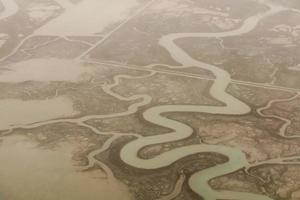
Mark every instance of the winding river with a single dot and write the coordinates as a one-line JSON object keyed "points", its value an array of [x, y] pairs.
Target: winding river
{"points": [[232, 106], [287, 122], [199, 181]]}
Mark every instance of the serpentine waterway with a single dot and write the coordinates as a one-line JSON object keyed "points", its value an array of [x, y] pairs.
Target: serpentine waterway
{"points": [[232, 106]]}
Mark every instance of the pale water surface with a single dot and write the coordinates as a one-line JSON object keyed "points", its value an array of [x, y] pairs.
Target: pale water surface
{"points": [[17, 111], [88, 17], [29, 172], [10, 8], [44, 70]]}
